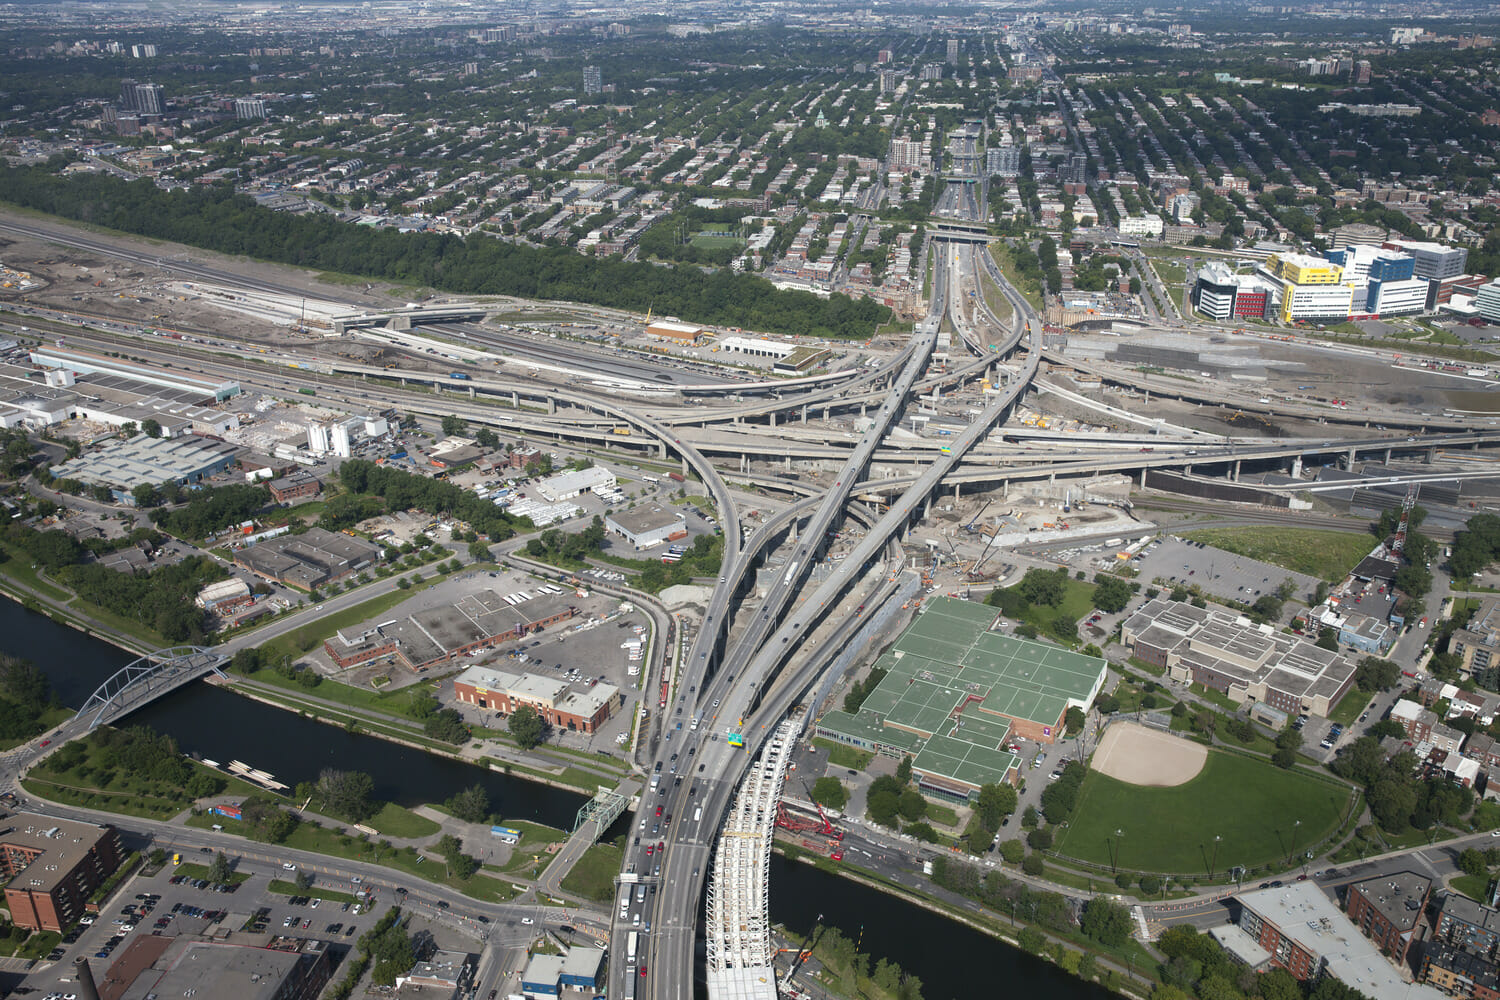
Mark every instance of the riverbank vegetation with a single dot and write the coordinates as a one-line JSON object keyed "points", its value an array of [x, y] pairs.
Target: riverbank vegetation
{"points": [[27, 705], [134, 771]]}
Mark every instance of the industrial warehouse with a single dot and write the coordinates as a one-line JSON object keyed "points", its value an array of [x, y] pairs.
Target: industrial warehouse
{"points": [[433, 636], [146, 461], [312, 559], [955, 693]]}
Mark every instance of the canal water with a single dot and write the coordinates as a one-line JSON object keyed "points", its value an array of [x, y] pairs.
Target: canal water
{"points": [[218, 724], [952, 961], [215, 723]]}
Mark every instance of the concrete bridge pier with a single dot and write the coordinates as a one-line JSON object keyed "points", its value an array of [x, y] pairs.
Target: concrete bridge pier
{"points": [[515, 399], [772, 415], [551, 406], [825, 414], [1432, 455], [1235, 476], [472, 392], [1296, 470], [1388, 456], [1350, 458], [661, 449], [861, 411], [744, 462], [958, 491], [789, 463], [804, 413]]}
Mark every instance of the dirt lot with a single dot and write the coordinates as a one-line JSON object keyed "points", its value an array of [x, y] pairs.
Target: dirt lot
{"points": [[1142, 756]]}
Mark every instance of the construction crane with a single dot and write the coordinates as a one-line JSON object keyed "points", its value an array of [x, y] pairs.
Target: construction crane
{"points": [[975, 520]]}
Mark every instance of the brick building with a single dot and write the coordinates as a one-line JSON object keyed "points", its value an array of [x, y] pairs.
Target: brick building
{"points": [[54, 866], [582, 710], [1468, 925], [1387, 909], [294, 487], [1459, 973]]}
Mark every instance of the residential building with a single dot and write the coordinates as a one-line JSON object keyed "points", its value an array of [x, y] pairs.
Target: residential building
{"points": [[581, 710], [888, 81], [1300, 929], [249, 107], [1387, 909], [907, 154], [1416, 721], [1468, 925], [149, 98], [1221, 649], [1003, 160], [1142, 225], [952, 52], [1459, 973], [54, 866], [593, 80]]}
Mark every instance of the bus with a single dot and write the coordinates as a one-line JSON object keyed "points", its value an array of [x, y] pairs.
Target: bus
{"points": [[735, 740]]}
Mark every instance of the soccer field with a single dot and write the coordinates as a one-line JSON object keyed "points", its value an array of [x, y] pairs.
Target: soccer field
{"points": [[1252, 806]]}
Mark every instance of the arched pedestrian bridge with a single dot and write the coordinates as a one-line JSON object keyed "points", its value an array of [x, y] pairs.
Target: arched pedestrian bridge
{"points": [[147, 679]]}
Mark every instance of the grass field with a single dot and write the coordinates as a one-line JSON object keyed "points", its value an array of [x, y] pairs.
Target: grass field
{"points": [[1253, 806], [1327, 555], [716, 241], [840, 755], [292, 889], [398, 821], [593, 877], [1349, 706], [1476, 887]]}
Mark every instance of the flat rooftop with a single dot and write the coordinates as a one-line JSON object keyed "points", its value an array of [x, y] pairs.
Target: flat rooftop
{"points": [[953, 687], [1304, 914], [62, 843]]}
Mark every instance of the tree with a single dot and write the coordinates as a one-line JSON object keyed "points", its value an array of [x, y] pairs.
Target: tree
{"points": [[1111, 593], [129, 429], [1034, 866], [1150, 885], [150, 427], [1105, 921], [1013, 851], [1284, 758], [911, 805], [1039, 839], [472, 805], [480, 552], [903, 770], [145, 496], [527, 727], [459, 863], [1074, 720], [304, 879], [446, 724], [1472, 862], [1329, 639], [830, 792], [347, 794], [220, 871], [996, 801], [453, 426], [1376, 674]]}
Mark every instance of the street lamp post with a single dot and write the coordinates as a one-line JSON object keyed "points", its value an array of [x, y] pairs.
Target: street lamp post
{"points": [[1295, 825], [1213, 863]]}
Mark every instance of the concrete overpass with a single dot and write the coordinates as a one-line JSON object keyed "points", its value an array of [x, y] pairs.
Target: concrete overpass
{"points": [[404, 318]]}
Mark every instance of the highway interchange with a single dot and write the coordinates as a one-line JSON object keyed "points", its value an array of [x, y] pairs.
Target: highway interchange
{"points": [[755, 658]]}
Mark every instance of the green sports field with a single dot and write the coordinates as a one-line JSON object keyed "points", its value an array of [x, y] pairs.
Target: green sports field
{"points": [[1251, 805]]}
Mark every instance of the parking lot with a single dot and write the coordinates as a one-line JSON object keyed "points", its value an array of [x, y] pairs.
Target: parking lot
{"points": [[169, 904], [1216, 572]]}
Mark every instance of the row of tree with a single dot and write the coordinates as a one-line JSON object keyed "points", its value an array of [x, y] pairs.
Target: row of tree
{"points": [[216, 218], [403, 491]]}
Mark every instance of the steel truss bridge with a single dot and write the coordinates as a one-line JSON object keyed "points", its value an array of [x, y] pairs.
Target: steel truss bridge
{"points": [[147, 679]]}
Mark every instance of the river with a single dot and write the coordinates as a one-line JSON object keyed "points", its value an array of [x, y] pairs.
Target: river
{"points": [[950, 959]]}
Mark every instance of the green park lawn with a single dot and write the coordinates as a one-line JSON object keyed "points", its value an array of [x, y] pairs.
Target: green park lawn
{"points": [[1253, 806], [1326, 555], [593, 877]]}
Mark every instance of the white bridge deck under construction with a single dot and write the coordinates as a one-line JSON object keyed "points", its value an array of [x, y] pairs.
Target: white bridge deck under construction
{"points": [[738, 929]]}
